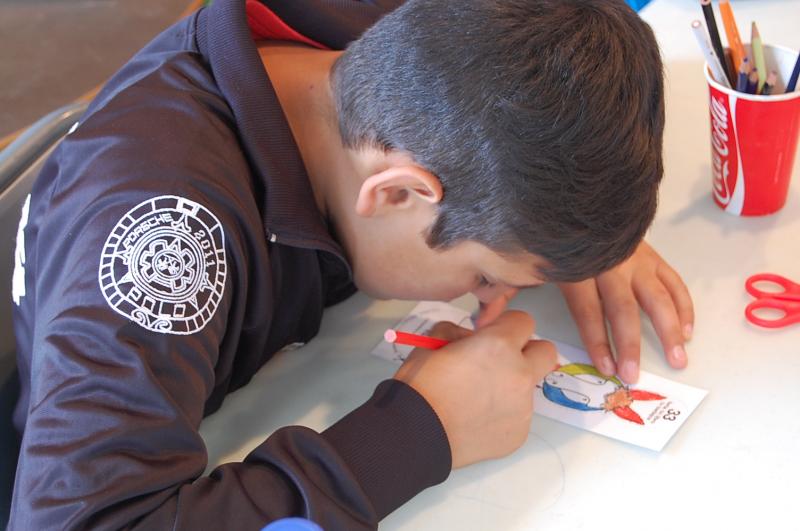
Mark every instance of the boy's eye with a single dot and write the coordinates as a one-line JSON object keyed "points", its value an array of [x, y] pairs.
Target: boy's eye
{"points": [[484, 282]]}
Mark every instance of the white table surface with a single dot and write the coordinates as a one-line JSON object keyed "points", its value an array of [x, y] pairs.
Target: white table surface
{"points": [[733, 465]]}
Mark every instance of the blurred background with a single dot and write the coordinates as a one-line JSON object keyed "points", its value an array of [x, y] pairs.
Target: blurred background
{"points": [[53, 52]]}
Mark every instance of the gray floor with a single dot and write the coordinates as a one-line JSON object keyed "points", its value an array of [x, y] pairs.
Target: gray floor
{"points": [[54, 51]]}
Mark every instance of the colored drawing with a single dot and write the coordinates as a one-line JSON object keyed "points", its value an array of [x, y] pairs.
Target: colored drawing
{"points": [[582, 387], [576, 393]]}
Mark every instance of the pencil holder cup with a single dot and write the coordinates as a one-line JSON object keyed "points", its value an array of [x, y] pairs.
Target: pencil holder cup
{"points": [[754, 140]]}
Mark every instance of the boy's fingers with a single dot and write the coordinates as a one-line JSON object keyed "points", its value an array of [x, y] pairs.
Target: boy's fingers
{"points": [[659, 305], [449, 331], [513, 326], [622, 311], [542, 358], [586, 308], [490, 311], [680, 296]]}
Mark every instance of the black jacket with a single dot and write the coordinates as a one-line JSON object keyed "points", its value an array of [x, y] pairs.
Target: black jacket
{"points": [[171, 246]]}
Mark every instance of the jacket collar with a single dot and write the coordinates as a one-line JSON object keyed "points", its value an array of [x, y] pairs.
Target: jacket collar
{"points": [[286, 198]]}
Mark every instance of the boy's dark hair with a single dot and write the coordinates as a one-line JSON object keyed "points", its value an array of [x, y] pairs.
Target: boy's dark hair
{"points": [[543, 119]]}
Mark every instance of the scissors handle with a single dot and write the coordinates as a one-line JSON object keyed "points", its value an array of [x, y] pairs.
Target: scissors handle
{"points": [[790, 291], [791, 311]]}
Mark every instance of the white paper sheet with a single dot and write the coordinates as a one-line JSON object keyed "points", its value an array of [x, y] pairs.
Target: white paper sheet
{"points": [[647, 414]]}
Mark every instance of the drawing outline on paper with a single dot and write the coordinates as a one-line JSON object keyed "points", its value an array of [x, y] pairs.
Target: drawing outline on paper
{"points": [[660, 404], [420, 322], [581, 386]]}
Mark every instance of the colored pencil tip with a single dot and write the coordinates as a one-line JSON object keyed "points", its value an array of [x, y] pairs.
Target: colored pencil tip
{"points": [[772, 77], [745, 67], [390, 336]]}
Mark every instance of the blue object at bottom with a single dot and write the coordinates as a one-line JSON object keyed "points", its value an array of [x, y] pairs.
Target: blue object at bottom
{"points": [[292, 524]]}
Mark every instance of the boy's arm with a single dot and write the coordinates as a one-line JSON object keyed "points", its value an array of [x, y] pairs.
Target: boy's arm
{"points": [[644, 280], [111, 428], [111, 438]]}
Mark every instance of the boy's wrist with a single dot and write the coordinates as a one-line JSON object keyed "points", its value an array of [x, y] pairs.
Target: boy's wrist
{"points": [[394, 444]]}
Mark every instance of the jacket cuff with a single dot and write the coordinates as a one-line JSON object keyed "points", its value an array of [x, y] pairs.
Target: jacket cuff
{"points": [[394, 444]]}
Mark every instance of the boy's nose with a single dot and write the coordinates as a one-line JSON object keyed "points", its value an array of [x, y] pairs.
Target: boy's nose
{"points": [[495, 302], [487, 294]]}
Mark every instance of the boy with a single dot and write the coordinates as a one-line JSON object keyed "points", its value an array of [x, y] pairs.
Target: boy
{"points": [[216, 196]]}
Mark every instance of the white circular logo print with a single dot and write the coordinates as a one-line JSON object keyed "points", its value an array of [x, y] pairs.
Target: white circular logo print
{"points": [[163, 265]]}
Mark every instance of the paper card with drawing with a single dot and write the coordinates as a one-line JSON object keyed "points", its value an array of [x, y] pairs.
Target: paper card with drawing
{"points": [[647, 414]]}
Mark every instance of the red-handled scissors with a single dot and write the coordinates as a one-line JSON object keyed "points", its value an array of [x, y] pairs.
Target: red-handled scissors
{"points": [[786, 300]]}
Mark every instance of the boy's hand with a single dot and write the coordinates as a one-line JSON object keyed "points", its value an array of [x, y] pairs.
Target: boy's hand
{"points": [[643, 280], [481, 385], [490, 311]]}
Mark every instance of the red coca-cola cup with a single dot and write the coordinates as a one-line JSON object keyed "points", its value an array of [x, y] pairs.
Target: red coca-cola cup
{"points": [[754, 141]]}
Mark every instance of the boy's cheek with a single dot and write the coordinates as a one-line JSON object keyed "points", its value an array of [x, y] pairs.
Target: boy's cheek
{"points": [[419, 287]]}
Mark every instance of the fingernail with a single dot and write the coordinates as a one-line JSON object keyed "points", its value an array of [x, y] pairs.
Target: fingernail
{"points": [[687, 331], [607, 366], [629, 371], [679, 356]]}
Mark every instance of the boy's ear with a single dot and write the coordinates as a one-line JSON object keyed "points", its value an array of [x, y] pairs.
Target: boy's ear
{"points": [[397, 187]]}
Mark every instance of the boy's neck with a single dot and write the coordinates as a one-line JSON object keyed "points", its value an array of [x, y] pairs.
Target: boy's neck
{"points": [[300, 76]]}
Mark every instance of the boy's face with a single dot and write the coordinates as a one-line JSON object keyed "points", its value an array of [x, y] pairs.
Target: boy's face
{"points": [[411, 270], [385, 239]]}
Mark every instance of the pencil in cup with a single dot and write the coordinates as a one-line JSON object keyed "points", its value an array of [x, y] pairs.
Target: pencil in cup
{"points": [[744, 75], [713, 34], [752, 82], [414, 340], [792, 84], [758, 58], [713, 60], [783, 61], [738, 53], [772, 77], [754, 139]]}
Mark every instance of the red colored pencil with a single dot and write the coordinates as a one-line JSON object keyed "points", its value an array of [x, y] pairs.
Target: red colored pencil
{"points": [[414, 340]]}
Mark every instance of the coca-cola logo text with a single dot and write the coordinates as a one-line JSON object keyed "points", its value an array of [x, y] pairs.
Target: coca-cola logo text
{"points": [[720, 151]]}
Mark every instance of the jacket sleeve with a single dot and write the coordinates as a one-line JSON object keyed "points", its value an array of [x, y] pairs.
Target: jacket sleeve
{"points": [[133, 289]]}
